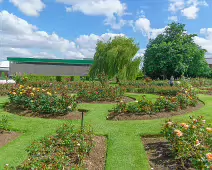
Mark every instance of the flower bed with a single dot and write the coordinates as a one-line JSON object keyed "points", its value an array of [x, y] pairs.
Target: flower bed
{"points": [[181, 101], [65, 150], [152, 89], [4, 89], [191, 142], [40, 100], [100, 94]]}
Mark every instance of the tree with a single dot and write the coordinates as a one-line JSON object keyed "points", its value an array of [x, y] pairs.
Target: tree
{"points": [[174, 52], [115, 58]]}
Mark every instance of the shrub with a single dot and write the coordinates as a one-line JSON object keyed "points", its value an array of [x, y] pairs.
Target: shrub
{"points": [[182, 100], [41, 100], [4, 89], [58, 78], [4, 124], [99, 93], [65, 150], [190, 141]]}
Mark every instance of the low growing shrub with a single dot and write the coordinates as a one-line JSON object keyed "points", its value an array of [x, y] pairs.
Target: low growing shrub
{"points": [[41, 100], [4, 124], [65, 150], [182, 100], [190, 141], [99, 93]]}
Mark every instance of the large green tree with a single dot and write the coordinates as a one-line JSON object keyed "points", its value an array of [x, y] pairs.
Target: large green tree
{"points": [[174, 52], [115, 58]]}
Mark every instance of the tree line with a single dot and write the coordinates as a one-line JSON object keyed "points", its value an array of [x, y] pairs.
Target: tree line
{"points": [[171, 53]]}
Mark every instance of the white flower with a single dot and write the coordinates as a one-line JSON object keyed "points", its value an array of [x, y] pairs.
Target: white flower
{"points": [[69, 107], [78, 144], [136, 101], [7, 165]]}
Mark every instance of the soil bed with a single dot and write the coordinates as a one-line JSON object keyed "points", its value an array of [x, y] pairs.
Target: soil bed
{"points": [[124, 99], [139, 116], [75, 115], [160, 156], [7, 137], [97, 157]]}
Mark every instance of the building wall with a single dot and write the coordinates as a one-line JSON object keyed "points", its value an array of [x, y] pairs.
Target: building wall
{"points": [[49, 70]]}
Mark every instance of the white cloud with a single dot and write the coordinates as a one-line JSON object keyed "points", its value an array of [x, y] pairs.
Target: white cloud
{"points": [[176, 5], [96, 7], [190, 12], [187, 8], [111, 9], [206, 40], [29, 7], [144, 25], [173, 18], [21, 39], [68, 9]]}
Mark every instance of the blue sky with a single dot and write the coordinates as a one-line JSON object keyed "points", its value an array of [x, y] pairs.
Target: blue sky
{"points": [[70, 28]]}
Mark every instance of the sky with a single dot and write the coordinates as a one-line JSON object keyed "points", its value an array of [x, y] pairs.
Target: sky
{"points": [[70, 29]]}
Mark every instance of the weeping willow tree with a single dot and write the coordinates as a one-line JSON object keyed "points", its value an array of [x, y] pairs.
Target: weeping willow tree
{"points": [[115, 58]]}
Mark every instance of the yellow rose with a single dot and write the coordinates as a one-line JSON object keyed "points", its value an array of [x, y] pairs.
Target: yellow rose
{"points": [[49, 93], [32, 94], [21, 93]]}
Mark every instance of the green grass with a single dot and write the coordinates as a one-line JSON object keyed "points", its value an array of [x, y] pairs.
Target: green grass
{"points": [[125, 150]]}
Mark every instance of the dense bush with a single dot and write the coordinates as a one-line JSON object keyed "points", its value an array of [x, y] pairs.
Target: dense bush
{"points": [[191, 142], [163, 90], [182, 100], [65, 150], [41, 100], [4, 124], [99, 93], [4, 89]]}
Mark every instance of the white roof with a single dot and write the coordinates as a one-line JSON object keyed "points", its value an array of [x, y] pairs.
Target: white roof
{"points": [[4, 64]]}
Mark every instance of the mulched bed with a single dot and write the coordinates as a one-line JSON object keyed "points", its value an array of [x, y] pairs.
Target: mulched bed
{"points": [[6, 137], [124, 99], [76, 115], [160, 156], [134, 116], [97, 157]]}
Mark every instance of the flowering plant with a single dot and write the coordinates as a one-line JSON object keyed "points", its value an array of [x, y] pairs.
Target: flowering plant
{"points": [[41, 100], [182, 100], [191, 141], [65, 150]]}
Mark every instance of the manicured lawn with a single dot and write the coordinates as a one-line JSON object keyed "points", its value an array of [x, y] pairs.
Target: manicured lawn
{"points": [[125, 150]]}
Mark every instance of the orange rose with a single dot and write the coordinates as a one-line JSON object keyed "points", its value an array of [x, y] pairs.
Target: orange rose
{"points": [[209, 130], [209, 157], [178, 133]]}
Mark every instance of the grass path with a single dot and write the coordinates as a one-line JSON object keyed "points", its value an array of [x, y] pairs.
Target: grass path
{"points": [[124, 148]]}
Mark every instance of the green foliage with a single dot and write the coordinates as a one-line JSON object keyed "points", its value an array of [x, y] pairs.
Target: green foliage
{"points": [[99, 93], [174, 53], [4, 124], [190, 142], [140, 75], [4, 89], [41, 101], [182, 100], [58, 78], [114, 58], [3, 75], [65, 150]]}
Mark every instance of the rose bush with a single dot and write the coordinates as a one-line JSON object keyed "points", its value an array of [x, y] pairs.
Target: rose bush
{"points": [[185, 98], [65, 150], [99, 93], [191, 141], [41, 100]]}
